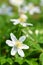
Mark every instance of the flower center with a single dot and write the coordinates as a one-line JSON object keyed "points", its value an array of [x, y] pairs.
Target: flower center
{"points": [[31, 7], [22, 19], [18, 44]]}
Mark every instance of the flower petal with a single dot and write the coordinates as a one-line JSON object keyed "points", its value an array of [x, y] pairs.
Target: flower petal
{"points": [[37, 10], [15, 21], [22, 38], [29, 24], [23, 24], [26, 24], [31, 12], [9, 43], [13, 51], [13, 37], [24, 46], [20, 52]]}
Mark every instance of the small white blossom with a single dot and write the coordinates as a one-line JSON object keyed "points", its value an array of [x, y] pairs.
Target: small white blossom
{"points": [[16, 2], [6, 10], [36, 32], [30, 31], [41, 2], [17, 45], [21, 20], [31, 9]]}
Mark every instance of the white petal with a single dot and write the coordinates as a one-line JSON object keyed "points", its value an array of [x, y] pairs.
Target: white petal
{"points": [[25, 8], [37, 9], [16, 2], [20, 52], [30, 4], [36, 32], [26, 24], [13, 37], [31, 12], [41, 2], [29, 24], [23, 24], [9, 43], [13, 51], [15, 21], [24, 46], [22, 38]]}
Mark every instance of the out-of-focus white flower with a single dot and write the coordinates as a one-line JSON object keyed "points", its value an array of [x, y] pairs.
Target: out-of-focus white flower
{"points": [[30, 31], [31, 9], [16, 2], [41, 2], [21, 20], [17, 45], [36, 32], [6, 10]]}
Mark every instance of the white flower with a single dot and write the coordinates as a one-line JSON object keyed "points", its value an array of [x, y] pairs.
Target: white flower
{"points": [[36, 32], [16, 2], [41, 2], [6, 10], [21, 20], [31, 9], [30, 31], [17, 45]]}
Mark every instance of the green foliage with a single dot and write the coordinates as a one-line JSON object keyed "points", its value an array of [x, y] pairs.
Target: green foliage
{"points": [[32, 62], [6, 60], [41, 58]]}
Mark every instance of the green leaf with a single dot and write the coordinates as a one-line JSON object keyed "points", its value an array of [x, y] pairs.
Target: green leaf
{"points": [[41, 58], [2, 60], [19, 59], [32, 62], [9, 60]]}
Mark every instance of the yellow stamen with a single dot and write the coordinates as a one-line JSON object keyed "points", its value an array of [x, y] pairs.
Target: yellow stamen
{"points": [[31, 7], [22, 19], [18, 44]]}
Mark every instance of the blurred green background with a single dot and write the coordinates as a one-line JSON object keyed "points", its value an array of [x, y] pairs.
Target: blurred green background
{"points": [[33, 56]]}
